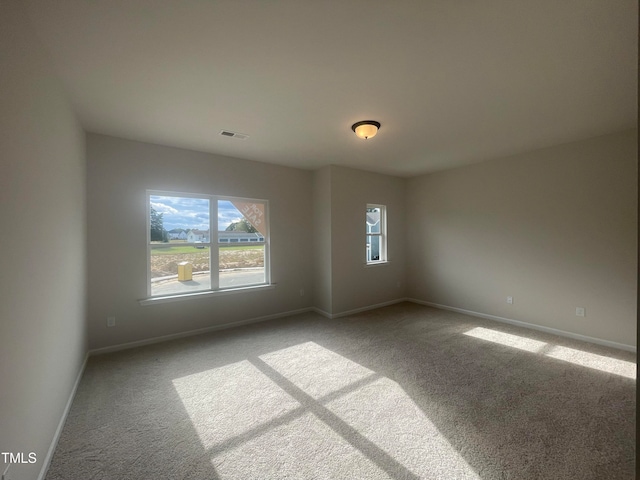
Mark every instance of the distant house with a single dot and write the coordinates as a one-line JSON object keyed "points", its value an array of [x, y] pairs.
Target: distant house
{"points": [[196, 235], [177, 235], [239, 237]]}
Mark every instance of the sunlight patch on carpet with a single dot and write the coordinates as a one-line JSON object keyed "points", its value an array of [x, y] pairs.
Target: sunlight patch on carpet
{"points": [[304, 448], [226, 402], [379, 410], [316, 415], [515, 341], [571, 355], [314, 369], [591, 360], [384, 413]]}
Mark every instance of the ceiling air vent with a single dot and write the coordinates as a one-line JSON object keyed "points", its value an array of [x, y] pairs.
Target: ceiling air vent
{"points": [[239, 136]]}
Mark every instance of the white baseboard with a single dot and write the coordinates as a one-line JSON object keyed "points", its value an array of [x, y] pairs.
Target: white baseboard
{"points": [[532, 326], [190, 333], [358, 310], [321, 312], [63, 419], [370, 307]]}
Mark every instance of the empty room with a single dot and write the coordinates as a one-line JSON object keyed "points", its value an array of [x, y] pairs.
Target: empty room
{"points": [[426, 252]]}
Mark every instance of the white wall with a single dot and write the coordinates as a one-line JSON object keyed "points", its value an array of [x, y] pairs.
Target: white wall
{"points": [[42, 206], [554, 228], [356, 285], [343, 280], [119, 174], [317, 237], [322, 239]]}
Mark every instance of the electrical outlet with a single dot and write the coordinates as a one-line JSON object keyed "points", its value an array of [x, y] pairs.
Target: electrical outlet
{"points": [[581, 312], [302, 292], [111, 321], [510, 300]]}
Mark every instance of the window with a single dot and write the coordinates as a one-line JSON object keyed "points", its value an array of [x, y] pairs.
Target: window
{"points": [[376, 228], [188, 251]]}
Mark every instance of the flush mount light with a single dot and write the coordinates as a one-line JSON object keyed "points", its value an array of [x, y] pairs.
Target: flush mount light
{"points": [[366, 128]]}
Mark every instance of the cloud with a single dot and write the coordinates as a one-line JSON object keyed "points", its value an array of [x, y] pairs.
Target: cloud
{"points": [[193, 213], [182, 212], [227, 214], [163, 208]]}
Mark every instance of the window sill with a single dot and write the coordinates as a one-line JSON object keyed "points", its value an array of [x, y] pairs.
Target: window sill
{"points": [[376, 264], [204, 294]]}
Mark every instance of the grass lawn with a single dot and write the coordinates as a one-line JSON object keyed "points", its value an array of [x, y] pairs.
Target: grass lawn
{"points": [[165, 259], [161, 249]]}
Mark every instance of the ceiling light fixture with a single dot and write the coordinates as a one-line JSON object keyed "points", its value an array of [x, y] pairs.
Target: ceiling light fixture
{"points": [[366, 128]]}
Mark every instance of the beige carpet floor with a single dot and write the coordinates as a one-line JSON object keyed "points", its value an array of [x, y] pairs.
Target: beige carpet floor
{"points": [[402, 392]]}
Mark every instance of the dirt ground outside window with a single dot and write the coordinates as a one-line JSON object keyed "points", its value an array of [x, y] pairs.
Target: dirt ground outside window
{"points": [[163, 265]]}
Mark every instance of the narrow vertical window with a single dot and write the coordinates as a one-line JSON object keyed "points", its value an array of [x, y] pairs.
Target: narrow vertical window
{"points": [[376, 233]]}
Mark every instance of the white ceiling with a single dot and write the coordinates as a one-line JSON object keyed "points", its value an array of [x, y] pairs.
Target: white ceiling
{"points": [[451, 82]]}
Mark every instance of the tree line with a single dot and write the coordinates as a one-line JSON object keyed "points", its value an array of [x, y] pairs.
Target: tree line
{"points": [[159, 234]]}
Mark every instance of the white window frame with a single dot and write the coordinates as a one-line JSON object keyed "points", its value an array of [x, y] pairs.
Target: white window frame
{"points": [[213, 245], [382, 235]]}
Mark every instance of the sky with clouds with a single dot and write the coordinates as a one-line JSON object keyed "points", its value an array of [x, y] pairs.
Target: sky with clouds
{"points": [[192, 213]]}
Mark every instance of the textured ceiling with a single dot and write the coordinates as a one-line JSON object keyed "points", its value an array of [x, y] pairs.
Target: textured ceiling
{"points": [[452, 83]]}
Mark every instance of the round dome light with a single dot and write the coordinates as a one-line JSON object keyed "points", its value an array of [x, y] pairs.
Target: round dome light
{"points": [[366, 129]]}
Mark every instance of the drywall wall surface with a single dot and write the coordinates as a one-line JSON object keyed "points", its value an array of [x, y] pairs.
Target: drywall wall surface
{"points": [[322, 239], [555, 229], [119, 174], [43, 264], [355, 284]]}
